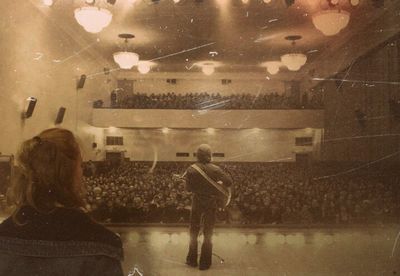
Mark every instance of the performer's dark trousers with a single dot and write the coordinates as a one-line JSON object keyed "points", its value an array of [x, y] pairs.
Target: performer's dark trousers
{"points": [[203, 209]]}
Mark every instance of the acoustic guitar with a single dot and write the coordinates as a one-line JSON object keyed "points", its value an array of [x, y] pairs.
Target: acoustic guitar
{"points": [[225, 193]]}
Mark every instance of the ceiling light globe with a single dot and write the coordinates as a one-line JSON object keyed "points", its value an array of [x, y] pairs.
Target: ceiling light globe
{"points": [[273, 67], [331, 22], [93, 19], [354, 2], [144, 67], [126, 60], [294, 61], [48, 2], [208, 69]]}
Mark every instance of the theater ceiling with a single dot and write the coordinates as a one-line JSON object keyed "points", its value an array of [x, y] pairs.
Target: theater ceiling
{"points": [[238, 35]]}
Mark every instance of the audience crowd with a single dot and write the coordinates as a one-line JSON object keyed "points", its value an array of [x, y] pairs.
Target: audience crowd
{"points": [[277, 193], [263, 193], [196, 101]]}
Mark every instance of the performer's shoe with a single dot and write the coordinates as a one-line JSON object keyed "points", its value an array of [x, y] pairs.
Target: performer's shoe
{"points": [[192, 264]]}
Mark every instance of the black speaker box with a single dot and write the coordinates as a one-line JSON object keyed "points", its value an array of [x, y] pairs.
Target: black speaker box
{"points": [[60, 115], [81, 82], [31, 107]]}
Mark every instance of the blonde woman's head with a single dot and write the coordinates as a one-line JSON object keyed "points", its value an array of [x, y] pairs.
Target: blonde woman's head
{"points": [[49, 172]]}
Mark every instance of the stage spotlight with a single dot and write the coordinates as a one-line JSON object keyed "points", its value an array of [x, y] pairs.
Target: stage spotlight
{"points": [[267, 1], [245, 1], [90, 2], [354, 2], [176, 1], [48, 2]]}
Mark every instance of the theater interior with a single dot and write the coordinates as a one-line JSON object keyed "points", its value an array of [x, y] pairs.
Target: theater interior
{"points": [[298, 99]]}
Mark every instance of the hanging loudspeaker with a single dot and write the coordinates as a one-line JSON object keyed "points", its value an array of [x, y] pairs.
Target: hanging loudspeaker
{"points": [[31, 107], [81, 82], [60, 115]]}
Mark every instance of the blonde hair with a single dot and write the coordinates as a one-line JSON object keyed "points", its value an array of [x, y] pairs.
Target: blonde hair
{"points": [[49, 172]]}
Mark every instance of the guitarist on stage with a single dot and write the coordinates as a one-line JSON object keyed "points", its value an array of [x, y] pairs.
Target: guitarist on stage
{"points": [[201, 179]]}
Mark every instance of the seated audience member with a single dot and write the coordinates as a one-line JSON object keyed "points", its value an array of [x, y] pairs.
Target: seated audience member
{"points": [[49, 232]]}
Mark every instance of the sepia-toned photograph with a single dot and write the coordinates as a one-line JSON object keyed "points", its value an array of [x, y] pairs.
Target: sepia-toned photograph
{"points": [[200, 137]]}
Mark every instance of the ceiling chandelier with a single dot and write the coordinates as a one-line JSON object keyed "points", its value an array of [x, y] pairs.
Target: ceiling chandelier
{"points": [[272, 66], [331, 22], [93, 19], [126, 59], [293, 61]]}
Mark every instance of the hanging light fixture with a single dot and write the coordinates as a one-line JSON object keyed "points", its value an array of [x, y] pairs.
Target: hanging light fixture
{"points": [[208, 66], [144, 66], [331, 22], [126, 59], [294, 61], [208, 69], [272, 66], [48, 3], [93, 19]]}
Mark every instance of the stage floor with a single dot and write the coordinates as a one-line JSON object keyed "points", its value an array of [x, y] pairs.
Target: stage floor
{"points": [[266, 251]]}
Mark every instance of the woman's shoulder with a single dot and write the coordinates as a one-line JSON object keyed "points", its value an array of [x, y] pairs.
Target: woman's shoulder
{"points": [[62, 224]]}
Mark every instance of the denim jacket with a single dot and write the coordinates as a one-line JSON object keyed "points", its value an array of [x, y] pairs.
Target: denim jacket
{"points": [[63, 242]]}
